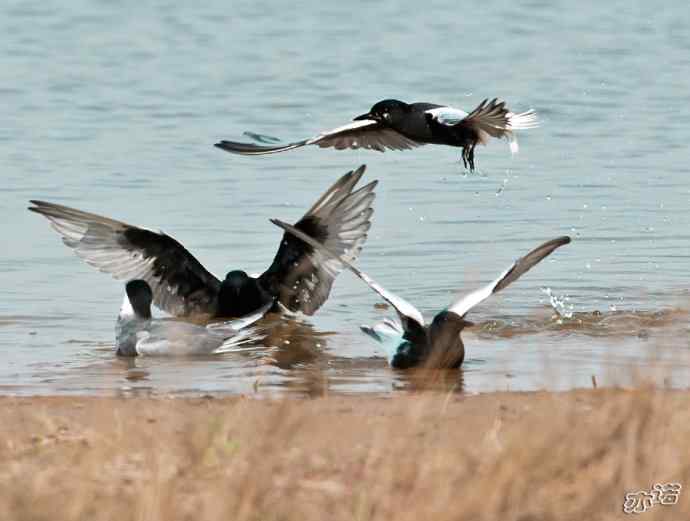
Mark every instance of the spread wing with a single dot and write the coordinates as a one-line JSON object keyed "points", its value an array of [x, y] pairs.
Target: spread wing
{"points": [[300, 276], [519, 268], [181, 285], [410, 317], [367, 134]]}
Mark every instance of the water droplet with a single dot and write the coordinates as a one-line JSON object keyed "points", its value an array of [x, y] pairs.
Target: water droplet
{"points": [[559, 304]]}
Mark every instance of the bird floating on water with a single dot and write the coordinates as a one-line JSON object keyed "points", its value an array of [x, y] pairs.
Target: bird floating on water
{"points": [[396, 125], [137, 333], [411, 342], [299, 278]]}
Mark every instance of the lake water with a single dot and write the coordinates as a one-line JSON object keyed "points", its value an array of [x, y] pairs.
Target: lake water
{"points": [[113, 107]]}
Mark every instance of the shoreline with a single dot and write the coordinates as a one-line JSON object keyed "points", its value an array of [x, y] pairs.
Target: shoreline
{"points": [[506, 455]]}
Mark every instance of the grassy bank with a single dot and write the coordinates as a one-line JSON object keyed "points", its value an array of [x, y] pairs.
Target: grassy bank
{"points": [[514, 456]]}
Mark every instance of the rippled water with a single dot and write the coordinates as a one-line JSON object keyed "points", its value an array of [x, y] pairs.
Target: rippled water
{"points": [[113, 107]]}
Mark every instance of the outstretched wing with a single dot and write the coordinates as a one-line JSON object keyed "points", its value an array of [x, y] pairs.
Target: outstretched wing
{"points": [[411, 318], [367, 134], [300, 276], [181, 285], [519, 268]]}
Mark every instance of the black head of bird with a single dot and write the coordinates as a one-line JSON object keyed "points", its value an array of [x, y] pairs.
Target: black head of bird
{"points": [[388, 112], [140, 297], [240, 293], [235, 281], [444, 346]]}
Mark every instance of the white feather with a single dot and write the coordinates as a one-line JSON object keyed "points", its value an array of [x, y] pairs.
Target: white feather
{"points": [[462, 306], [447, 115], [513, 273], [389, 334], [354, 125], [523, 121]]}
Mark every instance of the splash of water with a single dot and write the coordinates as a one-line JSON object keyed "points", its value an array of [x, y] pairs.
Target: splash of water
{"points": [[559, 304]]}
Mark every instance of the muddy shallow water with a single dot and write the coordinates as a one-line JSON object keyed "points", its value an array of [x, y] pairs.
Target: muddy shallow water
{"points": [[114, 110]]}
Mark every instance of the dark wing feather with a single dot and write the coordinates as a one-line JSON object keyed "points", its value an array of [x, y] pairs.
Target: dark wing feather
{"points": [[490, 117], [410, 317], [251, 149], [301, 277], [367, 134], [494, 119], [180, 284]]}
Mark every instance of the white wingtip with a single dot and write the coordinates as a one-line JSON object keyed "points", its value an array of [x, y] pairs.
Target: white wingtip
{"points": [[523, 121]]}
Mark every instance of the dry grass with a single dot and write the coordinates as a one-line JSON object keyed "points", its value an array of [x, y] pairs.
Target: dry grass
{"points": [[526, 457]]}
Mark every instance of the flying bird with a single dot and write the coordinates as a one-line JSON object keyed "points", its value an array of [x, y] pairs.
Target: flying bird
{"points": [[411, 342], [137, 333], [299, 277], [396, 125]]}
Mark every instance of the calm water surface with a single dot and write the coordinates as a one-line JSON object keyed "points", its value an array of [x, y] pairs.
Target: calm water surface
{"points": [[112, 107]]}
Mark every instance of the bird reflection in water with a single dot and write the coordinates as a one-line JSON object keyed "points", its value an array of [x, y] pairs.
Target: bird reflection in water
{"points": [[446, 381], [291, 343], [299, 350], [293, 358]]}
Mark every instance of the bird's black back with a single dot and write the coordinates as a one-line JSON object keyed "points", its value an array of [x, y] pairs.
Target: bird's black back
{"points": [[415, 124], [240, 295]]}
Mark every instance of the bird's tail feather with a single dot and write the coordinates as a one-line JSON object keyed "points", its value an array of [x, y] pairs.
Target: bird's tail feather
{"points": [[523, 121]]}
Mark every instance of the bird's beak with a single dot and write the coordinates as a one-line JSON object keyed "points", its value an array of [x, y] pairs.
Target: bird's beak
{"points": [[467, 323], [363, 117]]}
